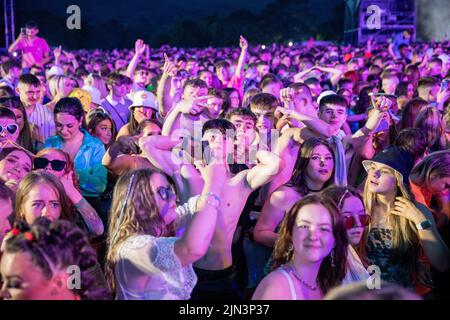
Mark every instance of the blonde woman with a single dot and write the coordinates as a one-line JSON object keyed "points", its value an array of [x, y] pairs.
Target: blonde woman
{"points": [[96, 81], [145, 261], [400, 228], [60, 86]]}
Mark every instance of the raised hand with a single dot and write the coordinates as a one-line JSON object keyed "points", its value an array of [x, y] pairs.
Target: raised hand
{"points": [[169, 68], [381, 103], [70, 56], [287, 95], [194, 106], [405, 208], [286, 113], [243, 43], [67, 182], [139, 47], [57, 52], [213, 174]]}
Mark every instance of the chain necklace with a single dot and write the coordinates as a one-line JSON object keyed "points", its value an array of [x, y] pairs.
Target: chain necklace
{"points": [[295, 273]]}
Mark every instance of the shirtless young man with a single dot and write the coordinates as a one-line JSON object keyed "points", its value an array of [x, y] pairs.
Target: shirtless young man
{"points": [[215, 271]]}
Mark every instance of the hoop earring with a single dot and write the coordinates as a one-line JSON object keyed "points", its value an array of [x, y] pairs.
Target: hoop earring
{"points": [[332, 259], [289, 251]]}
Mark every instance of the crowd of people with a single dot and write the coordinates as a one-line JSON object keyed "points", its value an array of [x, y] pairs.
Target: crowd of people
{"points": [[292, 172]]}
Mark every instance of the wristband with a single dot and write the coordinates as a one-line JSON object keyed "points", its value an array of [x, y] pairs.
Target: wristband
{"points": [[211, 199], [424, 225]]}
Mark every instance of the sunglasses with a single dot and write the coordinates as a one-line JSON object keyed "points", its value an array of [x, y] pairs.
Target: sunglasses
{"points": [[11, 128], [165, 192], [350, 221], [42, 163]]}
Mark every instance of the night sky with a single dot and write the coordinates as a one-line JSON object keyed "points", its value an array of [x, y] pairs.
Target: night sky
{"points": [[117, 23], [162, 11]]}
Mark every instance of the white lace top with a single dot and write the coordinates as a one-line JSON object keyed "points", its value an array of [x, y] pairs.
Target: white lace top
{"points": [[148, 269]]}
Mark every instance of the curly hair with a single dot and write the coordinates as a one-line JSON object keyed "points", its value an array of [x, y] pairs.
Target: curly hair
{"points": [[329, 276], [58, 245]]}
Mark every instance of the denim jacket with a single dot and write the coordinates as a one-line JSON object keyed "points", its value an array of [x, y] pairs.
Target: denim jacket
{"points": [[88, 164]]}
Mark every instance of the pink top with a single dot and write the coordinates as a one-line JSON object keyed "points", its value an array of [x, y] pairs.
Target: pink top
{"points": [[33, 51]]}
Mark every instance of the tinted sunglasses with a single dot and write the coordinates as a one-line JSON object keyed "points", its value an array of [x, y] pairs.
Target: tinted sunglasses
{"points": [[11, 128], [165, 192], [42, 163], [350, 221]]}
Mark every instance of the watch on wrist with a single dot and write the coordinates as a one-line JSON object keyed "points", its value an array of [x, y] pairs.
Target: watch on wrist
{"points": [[424, 225]]}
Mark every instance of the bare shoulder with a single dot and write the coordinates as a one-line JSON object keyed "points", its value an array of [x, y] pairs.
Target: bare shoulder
{"points": [[274, 286], [124, 131], [283, 196]]}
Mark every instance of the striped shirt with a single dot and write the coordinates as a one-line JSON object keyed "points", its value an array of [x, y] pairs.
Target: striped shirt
{"points": [[44, 119]]}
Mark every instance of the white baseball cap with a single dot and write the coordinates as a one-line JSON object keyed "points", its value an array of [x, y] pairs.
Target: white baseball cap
{"points": [[324, 94], [144, 98], [95, 94]]}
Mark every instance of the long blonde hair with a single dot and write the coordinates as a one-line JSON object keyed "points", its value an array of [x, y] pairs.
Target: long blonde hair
{"points": [[56, 85], [405, 239], [133, 212]]}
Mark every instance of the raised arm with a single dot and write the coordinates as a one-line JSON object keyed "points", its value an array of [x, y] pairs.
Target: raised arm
{"points": [[16, 44], [269, 164], [163, 153], [188, 106], [57, 53], [195, 241], [118, 158], [158, 150], [139, 48], [71, 57], [241, 62], [311, 122], [361, 139], [336, 74], [165, 101]]}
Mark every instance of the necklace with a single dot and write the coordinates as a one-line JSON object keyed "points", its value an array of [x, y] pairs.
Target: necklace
{"points": [[295, 273], [312, 190]]}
